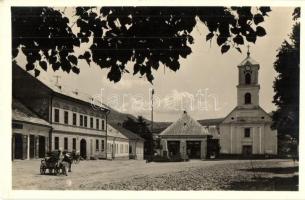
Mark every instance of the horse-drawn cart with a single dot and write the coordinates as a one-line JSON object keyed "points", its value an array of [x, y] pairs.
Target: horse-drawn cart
{"points": [[51, 163]]}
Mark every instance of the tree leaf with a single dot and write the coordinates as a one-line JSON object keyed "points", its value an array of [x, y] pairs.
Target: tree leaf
{"points": [[238, 39], [225, 48], [136, 68], [260, 31], [258, 18], [209, 36], [265, 10], [221, 39], [37, 72], [43, 65], [29, 66], [75, 70], [150, 77], [251, 37], [72, 59]]}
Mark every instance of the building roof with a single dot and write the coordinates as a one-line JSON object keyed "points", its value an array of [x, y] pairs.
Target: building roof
{"points": [[113, 132], [213, 130], [185, 125], [248, 60], [210, 122], [23, 114], [60, 90], [129, 134]]}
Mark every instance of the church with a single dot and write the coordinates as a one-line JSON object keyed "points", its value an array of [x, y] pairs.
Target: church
{"points": [[245, 131]]}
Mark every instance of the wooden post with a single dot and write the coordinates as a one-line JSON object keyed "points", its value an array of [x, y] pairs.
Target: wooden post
{"points": [[24, 146]]}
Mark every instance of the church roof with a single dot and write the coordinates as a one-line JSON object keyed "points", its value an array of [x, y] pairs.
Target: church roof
{"points": [[185, 125], [248, 60], [21, 113]]}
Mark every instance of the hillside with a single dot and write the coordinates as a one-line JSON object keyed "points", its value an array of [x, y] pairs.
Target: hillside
{"points": [[116, 117]]}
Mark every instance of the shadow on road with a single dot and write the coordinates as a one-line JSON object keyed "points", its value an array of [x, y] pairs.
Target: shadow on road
{"points": [[275, 170], [278, 182]]}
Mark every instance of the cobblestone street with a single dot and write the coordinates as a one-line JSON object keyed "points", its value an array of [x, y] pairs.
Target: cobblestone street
{"points": [[138, 175]]}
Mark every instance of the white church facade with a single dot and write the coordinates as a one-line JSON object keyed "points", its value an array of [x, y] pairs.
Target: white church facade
{"points": [[245, 131]]}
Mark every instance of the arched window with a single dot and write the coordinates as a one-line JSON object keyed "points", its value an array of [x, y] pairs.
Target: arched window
{"points": [[247, 98], [248, 78]]}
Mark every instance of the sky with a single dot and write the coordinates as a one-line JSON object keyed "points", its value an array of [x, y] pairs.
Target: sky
{"points": [[204, 86]]}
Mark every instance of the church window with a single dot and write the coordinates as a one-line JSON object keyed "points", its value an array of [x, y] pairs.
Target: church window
{"points": [[247, 132], [248, 78], [247, 98]]}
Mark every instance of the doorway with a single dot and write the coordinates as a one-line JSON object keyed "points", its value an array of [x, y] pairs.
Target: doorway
{"points": [[83, 148], [247, 150], [41, 146], [173, 148], [18, 146], [193, 149]]}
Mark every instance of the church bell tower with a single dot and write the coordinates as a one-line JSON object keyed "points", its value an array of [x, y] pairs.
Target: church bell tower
{"points": [[248, 86]]}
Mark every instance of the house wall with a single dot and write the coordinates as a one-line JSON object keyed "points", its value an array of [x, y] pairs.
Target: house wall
{"points": [[117, 148], [137, 149], [27, 129], [92, 150], [79, 131]]}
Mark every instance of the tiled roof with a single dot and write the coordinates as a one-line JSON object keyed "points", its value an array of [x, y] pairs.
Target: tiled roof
{"points": [[21, 113], [63, 90], [209, 122], [127, 133], [185, 125], [113, 132]]}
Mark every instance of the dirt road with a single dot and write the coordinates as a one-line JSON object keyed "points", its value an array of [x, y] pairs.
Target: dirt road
{"points": [[138, 175]]}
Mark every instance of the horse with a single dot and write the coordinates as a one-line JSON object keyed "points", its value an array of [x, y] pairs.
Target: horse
{"points": [[75, 157]]}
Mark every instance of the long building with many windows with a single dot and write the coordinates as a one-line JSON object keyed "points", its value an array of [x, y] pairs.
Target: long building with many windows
{"points": [[77, 122]]}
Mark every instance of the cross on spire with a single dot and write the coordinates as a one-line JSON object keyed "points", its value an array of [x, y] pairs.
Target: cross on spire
{"points": [[248, 53]]}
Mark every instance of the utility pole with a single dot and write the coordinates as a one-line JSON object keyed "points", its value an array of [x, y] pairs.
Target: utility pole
{"points": [[152, 122], [152, 109]]}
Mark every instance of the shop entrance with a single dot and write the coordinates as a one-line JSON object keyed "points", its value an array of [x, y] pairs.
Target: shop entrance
{"points": [[193, 149]]}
